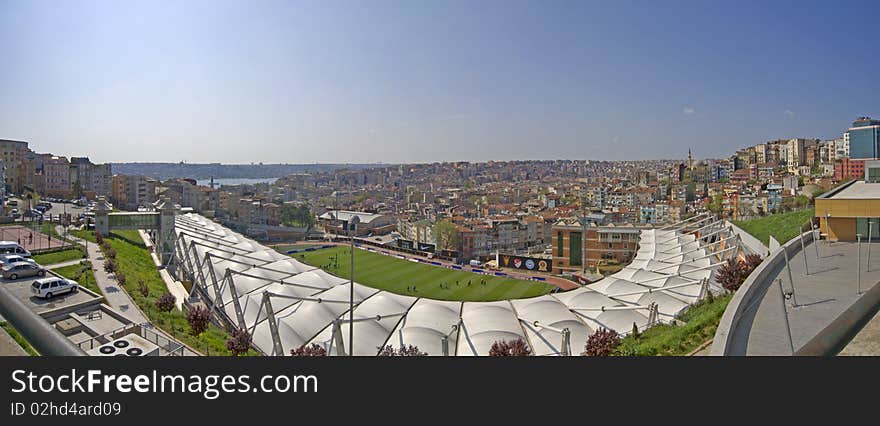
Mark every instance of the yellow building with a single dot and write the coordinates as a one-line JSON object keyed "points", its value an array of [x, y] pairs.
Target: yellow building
{"points": [[846, 212]]}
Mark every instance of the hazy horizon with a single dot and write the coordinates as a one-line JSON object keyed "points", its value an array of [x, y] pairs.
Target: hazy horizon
{"points": [[421, 82]]}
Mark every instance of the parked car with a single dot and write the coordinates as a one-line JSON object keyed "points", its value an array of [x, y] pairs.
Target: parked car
{"points": [[11, 247], [47, 287], [8, 259], [18, 270]]}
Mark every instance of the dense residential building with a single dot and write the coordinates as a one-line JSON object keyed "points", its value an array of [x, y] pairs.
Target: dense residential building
{"points": [[90, 180], [55, 172], [130, 192], [19, 165]]}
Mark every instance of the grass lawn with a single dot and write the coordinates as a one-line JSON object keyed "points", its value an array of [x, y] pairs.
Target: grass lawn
{"points": [[701, 320], [82, 274], [83, 234], [131, 235], [135, 262], [19, 339], [395, 275], [783, 226], [58, 256]]}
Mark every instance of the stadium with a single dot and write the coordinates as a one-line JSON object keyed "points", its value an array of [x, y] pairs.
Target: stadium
{"points": [[286, 304]]}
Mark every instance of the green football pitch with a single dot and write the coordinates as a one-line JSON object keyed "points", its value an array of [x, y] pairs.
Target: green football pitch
{"points": [[420, 280]]}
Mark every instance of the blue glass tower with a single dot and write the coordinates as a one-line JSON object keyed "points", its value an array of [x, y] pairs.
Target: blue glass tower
{"points": [[864, 138]]}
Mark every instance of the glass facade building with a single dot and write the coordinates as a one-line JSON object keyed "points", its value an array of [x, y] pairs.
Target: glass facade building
{"points": [[864, 138]]}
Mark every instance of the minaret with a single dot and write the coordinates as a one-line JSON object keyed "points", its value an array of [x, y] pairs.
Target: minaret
{"points": [[690, 160]]}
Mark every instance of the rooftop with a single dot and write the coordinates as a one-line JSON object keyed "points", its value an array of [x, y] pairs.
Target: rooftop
{"points": [[857, 190]]}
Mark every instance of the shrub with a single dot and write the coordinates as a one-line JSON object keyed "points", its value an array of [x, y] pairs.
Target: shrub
{"points": [[166, 302], [310, 350], [143, 288], [110, 266], [239, 342], [198, 319], [408, 350], [99, 238], [121, 278], [733, 274], [110, 253], [601, 343], [516, 347]]}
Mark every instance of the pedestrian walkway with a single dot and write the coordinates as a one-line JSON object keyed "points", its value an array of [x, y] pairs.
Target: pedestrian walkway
{"points": [[114, 296], [829, 296], [63, 264]]}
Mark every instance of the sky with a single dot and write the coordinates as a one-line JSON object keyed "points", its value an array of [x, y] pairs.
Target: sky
{"points": [[424, 81]]}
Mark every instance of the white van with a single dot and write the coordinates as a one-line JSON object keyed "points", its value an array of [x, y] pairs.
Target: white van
{"points": [[47, 287], [11, 247]]}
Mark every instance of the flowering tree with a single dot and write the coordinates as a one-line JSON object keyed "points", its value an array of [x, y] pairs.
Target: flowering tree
{"points": [[309, 350], [733, 274], [239, 342], [166, 302], [198, 318], [516, 347], [408, 350], [601, 343]]}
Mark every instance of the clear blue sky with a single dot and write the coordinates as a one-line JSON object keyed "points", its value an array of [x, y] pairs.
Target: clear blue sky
{"points": [[416, 81]]}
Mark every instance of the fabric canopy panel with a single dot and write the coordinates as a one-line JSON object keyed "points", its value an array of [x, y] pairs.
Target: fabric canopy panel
{"points": [[311, 306]]}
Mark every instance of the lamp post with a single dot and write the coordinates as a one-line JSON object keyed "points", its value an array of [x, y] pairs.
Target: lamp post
{"points": [[859, 268], [870, 231], [352, 226]]}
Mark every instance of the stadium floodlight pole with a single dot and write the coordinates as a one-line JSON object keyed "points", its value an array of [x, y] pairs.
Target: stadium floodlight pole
{"points": [[352, 225]]}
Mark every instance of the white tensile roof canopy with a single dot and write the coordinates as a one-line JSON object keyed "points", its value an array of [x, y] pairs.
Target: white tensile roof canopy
{"points": [[250, 286]]}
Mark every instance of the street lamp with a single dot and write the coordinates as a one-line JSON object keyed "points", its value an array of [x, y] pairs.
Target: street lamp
{"points": [[859, 236], [352, 226]]}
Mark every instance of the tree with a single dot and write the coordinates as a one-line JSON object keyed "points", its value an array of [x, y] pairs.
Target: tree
{"points": [[733, 274], [166, 302], [198, 319], [408, 350], [239, 342], [445, 234], [516, 347], [310, 350], [110, 266], [601, 343]]}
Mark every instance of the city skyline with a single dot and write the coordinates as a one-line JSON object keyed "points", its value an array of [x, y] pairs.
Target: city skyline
{"points": [[278, 82]]}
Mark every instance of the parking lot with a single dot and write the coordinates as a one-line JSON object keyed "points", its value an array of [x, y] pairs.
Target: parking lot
{"points": [[21, 289]]}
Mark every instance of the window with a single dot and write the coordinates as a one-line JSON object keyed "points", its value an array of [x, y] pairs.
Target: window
{"points": [[559, 245]]}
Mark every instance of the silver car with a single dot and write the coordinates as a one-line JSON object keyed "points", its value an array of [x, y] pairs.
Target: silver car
{"points": [[17, 270]]}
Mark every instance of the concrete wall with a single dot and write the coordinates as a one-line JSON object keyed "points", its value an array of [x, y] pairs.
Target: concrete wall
{"points": [[752, 290]]}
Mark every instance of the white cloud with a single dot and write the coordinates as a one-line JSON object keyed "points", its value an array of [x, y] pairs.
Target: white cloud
{"points": [[688, 111], [789, 113]]}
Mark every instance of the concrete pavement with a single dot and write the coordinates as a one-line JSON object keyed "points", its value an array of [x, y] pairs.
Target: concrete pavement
{"points": [[829, 304], [116, 297]]}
